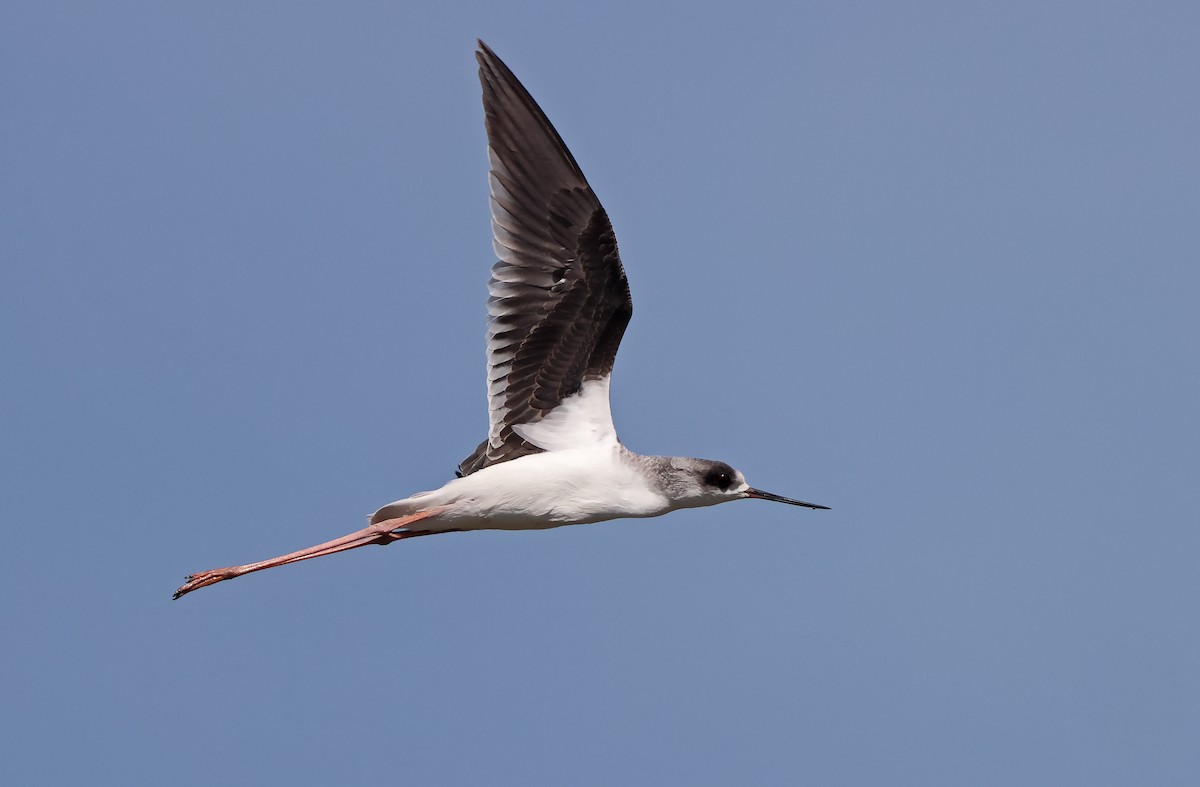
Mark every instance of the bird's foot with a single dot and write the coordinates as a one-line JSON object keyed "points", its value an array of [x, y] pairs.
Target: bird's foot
{"points": [[204, 579]]}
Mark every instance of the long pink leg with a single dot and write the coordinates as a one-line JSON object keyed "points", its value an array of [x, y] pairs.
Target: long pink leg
{"points": [[379, 533]]}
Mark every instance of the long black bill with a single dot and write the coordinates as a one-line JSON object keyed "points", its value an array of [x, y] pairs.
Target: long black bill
{"points": [[761, 495]]}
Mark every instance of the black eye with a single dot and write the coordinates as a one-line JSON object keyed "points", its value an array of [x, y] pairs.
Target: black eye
{"points": [[721, 479]]}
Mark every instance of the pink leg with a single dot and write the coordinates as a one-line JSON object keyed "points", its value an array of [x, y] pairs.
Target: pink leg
{"points": [[379, 533]]}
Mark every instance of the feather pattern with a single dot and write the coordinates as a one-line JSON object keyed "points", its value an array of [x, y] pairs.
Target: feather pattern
{"points": [[558, 298]]}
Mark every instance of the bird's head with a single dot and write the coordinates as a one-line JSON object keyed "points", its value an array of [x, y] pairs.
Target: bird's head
{"points": [[691, 483]]}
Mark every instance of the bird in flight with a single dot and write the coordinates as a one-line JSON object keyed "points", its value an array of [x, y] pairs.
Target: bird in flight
{"points": [[559, 303]]}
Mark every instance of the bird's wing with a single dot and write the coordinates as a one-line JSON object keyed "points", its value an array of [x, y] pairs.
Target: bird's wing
{"points": [[559, 300]]}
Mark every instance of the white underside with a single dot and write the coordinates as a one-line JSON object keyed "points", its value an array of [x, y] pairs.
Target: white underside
{"points": [[560, 487], [583, 475]]}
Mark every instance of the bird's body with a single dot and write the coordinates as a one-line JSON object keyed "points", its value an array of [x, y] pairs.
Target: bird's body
{"points": [[558, 307], [570, 487]]}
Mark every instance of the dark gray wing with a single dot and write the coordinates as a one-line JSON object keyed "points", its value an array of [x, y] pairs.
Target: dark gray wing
{"points": [[559, 300]]}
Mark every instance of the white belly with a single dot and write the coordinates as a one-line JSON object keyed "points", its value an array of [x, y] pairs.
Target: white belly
{"points": [[543, 490]]}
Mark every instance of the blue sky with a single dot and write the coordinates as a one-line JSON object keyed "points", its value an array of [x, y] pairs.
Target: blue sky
{"points": [[931, 264]]}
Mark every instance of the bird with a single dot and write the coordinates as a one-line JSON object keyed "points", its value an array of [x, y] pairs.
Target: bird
{"points": [[558, 304]]}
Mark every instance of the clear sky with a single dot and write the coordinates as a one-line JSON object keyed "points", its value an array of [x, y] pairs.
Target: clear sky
{"points": [[932, 264]]}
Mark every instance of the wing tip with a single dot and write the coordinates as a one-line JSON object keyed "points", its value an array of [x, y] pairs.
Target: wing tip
{"points": [[487, 59]]}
